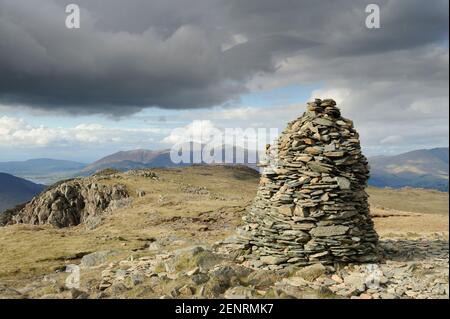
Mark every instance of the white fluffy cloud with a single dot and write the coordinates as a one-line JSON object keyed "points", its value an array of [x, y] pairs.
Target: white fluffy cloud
{"points": [[15, 132], [198, 131], [206, 132]]}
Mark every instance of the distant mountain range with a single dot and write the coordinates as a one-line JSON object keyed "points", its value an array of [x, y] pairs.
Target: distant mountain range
{"points": [[141, 158], [42, 170], [15, 190], [426, 168]]}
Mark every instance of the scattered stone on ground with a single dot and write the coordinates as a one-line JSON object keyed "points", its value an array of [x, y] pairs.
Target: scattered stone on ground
{"points": [[147, 173], [412, 269]]}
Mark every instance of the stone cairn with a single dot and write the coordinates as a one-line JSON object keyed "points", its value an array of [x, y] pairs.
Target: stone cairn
{"points": [[311, 205]]}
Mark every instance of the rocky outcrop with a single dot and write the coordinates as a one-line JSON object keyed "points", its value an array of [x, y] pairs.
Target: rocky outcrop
{"points": [[311, 204], [70, 203]]}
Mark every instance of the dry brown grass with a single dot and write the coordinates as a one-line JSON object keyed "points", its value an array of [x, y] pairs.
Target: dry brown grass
{"points": [[421, 201], [412, 212]]}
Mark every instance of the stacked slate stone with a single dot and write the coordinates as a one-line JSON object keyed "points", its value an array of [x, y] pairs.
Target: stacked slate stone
{"points": [[311, 205]]}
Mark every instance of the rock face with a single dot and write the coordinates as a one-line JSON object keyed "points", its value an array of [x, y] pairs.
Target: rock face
{"points": [[70, 203], [311, 205]]}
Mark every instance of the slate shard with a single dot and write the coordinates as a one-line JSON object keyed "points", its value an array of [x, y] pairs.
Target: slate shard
{"points": [[311, 205]]}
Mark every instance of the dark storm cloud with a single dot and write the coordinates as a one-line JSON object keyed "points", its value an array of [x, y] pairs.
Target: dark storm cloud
{"points": [[135, 54]]}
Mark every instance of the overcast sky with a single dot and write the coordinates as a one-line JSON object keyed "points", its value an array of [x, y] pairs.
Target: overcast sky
{"points": [[137, 69]]}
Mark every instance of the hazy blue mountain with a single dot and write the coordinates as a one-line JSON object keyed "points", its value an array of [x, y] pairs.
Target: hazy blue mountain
{"points": [[426, 168], [42, 170], [15, 190]]}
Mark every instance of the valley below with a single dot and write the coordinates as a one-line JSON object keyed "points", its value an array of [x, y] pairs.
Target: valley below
{"points": [[167, 243]]}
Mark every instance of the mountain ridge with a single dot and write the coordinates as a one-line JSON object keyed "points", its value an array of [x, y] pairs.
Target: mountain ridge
{"points": [[143, 158], [15, 190], [423, 168]]}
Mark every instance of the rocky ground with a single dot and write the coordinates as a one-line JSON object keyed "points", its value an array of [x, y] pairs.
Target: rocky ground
{"points": [[412, 269], [169, 245]]}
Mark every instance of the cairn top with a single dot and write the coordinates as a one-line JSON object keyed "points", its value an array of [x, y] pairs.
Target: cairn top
{"points": [[326, 106]]}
